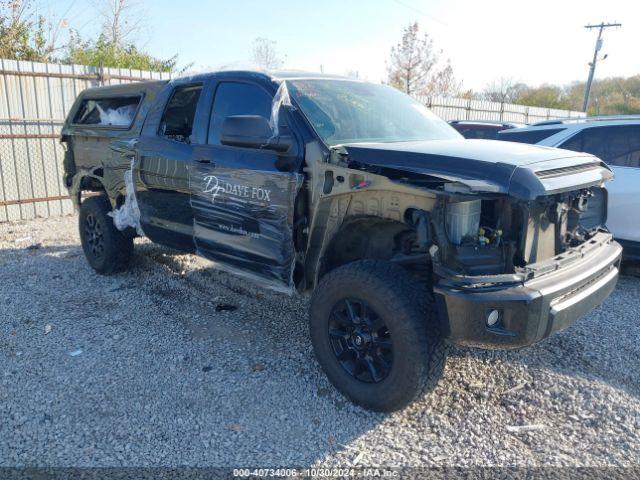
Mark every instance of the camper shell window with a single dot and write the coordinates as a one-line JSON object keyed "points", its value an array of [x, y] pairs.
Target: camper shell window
{"points": [[109, 112]]}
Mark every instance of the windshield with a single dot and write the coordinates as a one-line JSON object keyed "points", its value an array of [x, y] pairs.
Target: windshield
{"points": [[343, 111]]}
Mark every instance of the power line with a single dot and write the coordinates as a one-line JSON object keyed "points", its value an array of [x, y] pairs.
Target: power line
{"points": [[411, 7], [592, 65]]}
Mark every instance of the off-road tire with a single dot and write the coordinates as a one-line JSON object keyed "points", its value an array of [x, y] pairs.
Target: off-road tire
{"points": [[408, 310], [116, 247]]}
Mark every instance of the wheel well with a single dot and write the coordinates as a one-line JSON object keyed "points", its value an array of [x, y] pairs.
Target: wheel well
{"points": [[89, 183], [363, 238]]}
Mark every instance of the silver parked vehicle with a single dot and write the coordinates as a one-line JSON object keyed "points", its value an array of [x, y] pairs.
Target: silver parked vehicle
{"points": [[614, 139]]}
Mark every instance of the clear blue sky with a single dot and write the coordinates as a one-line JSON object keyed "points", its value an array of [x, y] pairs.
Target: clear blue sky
{"points": [[534, 42]]}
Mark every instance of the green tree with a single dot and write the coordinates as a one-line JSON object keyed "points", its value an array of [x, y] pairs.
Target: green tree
{"points": [[609, 96], [612, 96], [27, 36], [549, 96], [23, 35], [109, 54], [115, 47]]}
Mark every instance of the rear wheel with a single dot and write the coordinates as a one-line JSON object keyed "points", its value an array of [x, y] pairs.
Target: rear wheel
{"points": [[107, 249], [374, 331]]}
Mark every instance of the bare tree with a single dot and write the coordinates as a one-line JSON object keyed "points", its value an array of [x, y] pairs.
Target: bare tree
{"points": [[504, 90], [121, 20], [265, 54], [444, 83], [414, 66]]}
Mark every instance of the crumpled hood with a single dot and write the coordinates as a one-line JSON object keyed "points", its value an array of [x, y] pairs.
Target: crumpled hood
{"points": [[522, 170]]}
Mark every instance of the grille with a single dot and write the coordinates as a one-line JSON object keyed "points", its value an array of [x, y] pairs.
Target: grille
{"points": [[558, 172]]}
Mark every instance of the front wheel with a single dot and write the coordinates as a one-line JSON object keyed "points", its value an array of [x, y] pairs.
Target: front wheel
{"points": [[375, 333]]}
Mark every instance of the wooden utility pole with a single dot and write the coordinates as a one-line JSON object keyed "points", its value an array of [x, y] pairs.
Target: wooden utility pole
{"points": [[592, 65]]}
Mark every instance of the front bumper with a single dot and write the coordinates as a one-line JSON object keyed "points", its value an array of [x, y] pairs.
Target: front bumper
{"points": [[531, 310]]}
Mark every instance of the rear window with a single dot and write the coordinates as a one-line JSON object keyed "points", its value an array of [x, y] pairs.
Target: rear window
{"points": [[529, 136], [114, 111]]}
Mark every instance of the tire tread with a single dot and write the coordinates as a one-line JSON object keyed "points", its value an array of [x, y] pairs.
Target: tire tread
{"points": [[401, 290], [120, 246]]}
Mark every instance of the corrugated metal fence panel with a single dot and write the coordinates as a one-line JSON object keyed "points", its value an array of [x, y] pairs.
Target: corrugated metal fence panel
{"points": [[34, 101], [467, 109]]}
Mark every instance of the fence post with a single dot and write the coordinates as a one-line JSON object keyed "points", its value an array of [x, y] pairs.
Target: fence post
{"points": [[468, 109], [101, 74]]}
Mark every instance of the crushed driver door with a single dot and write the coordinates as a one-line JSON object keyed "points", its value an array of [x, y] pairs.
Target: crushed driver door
{"points": [[242, 203], [243, 220]]}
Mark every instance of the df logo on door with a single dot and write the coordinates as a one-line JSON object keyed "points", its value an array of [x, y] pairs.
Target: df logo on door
{"points": [[214, 187]]}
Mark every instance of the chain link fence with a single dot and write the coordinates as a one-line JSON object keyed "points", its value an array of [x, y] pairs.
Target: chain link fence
{"points": [[35, 99], [31, 170]]}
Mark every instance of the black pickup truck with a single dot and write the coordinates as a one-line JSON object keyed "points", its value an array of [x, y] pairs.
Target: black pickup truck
{"points": [[407, 234]]}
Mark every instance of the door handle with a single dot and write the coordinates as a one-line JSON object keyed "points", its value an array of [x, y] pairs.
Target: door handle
{"points": [[203, 160]]}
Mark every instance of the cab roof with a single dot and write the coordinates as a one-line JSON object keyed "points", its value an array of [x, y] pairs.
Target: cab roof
{"points": [[136, 88], [275, 75]]}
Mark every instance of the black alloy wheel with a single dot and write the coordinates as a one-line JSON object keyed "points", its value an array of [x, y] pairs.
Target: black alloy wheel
{"points": [[360, 340], [107, 249], [375, 332], [93, 235]]}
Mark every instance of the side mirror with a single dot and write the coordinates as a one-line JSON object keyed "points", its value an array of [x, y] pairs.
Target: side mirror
{"points": [[252, 131]]}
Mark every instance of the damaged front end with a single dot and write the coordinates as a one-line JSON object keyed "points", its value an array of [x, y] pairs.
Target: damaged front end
{"points": [[514, 256], [511, 272], [507, 238], [532, 268]]}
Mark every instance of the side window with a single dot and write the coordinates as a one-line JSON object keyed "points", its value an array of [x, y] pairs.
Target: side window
{"points": [[574, 143], [234, 98], [595, 140], [618, 145], [177, 119], [625, 146]]}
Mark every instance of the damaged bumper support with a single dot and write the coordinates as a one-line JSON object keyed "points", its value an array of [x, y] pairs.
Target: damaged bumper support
{"points": [[529, 311]]}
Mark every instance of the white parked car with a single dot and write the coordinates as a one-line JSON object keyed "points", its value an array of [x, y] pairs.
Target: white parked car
{"points": [[614, 139]]}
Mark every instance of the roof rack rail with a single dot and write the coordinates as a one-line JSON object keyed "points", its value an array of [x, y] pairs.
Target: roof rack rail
{"points": [[595, 118], [487, 122]]}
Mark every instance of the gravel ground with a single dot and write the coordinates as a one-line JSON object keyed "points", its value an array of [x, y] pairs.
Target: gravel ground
{"points": [[147, 368]]}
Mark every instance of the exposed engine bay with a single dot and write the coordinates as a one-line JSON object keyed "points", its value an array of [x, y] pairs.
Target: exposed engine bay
{"points": [[490, 236], [483, 221]]}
